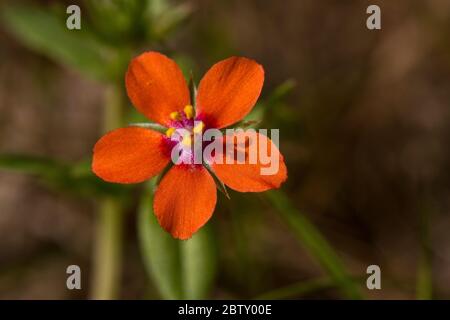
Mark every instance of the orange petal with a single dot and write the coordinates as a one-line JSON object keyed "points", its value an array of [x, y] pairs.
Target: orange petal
{"points": [[185, 200], [156, 86], [228, 91], [129, 155], [247, 177]]}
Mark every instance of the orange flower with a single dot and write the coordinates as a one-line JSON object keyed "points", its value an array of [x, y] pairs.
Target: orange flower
{"points": [[186, 196]]}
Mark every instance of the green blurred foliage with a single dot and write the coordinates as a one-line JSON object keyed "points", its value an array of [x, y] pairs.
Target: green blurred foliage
{"points": [[45, 31], [76, 179], [103, 47], [314, 242]]}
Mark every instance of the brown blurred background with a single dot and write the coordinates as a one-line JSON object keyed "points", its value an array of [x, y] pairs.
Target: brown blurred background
{"points": [[365, 134]]}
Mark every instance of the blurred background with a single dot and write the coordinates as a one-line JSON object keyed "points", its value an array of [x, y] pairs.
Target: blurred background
{"points": [[364, 121]]}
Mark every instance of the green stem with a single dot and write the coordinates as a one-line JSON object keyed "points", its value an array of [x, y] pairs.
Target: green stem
{"points": [[107, 258], [108, 251]]}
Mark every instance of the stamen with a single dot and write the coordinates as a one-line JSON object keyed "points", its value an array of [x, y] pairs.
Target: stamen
{"points": [[189, 111], [199, 127], [187, 141], [175, 116], [170, 132]]}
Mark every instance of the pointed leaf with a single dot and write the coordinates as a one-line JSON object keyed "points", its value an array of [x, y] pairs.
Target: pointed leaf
{"points": [[276, 96], [46, 32]]}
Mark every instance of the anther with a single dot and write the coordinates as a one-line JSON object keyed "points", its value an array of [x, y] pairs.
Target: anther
{"points": [[199, 127], [189, 111], [187, 141], [175, 116], [170, 132]]}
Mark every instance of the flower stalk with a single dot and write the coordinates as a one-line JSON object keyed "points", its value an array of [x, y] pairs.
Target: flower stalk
{"points": [[107, 253]]}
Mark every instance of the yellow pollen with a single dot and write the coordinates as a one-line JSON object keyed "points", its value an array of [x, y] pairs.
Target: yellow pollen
{"points": [[199, 127], [175, 116], [187, 141], [170, 132], [189, 111]]}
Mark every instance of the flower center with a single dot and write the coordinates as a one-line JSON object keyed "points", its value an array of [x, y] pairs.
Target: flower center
{"points": [[184, 120], [183, 130]]}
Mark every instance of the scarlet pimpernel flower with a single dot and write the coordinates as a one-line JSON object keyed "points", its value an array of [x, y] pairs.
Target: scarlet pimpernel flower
{"points": [[186, 195]]}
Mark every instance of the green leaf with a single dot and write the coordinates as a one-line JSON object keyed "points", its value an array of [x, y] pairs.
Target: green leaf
{"points": [[179, 269], [273, 99], [75, 178], [313, 241], [45, 31], [30, 164], [280, 92], [199, 264]]}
